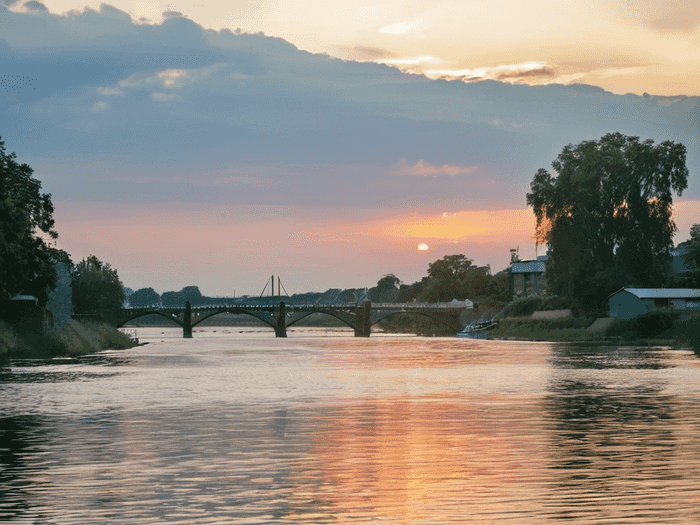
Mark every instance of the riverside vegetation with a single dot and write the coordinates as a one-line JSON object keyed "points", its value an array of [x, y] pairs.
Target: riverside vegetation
{"points": [[71, 339]]}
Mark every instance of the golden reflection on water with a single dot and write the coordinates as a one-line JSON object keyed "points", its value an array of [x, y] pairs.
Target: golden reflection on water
{"points": [[414, 460]]}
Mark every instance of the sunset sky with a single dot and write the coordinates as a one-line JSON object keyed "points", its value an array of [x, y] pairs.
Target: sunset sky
{"points": [[217, 144]]}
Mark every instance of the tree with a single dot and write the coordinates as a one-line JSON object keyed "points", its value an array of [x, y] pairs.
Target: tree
{"points": [[606, 216], [144, 297], [27, 259], [96, 287], [447, 278], [386, 291]]}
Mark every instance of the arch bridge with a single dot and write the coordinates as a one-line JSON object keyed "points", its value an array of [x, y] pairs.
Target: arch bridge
{"points": [[280, 316]]}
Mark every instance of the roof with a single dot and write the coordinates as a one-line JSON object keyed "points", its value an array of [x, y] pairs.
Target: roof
{"points": [[662, 293], [527, 267]]}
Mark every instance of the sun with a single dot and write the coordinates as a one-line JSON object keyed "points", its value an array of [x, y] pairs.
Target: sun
{"points": [[422, 247]]}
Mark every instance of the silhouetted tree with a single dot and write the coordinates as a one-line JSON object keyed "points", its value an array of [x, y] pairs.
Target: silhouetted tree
{"points": [[96, 287], [27, 260], [144, 297], [606, 216]]}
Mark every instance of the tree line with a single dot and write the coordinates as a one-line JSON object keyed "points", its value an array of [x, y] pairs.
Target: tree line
{"points": [[605, 216]]}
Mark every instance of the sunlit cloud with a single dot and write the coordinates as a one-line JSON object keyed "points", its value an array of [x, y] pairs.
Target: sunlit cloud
{"points": [[409, 61], [401, 28], [425, 169], [502, 73]]}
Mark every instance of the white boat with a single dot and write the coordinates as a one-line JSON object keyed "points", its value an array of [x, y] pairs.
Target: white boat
{"points": [[477, 330]]}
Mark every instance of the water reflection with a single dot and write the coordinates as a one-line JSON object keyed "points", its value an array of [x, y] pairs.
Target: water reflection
{"points": [[243, 429], [613, 451]]}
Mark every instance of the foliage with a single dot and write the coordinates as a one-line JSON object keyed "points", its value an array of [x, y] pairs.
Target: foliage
{"points": [[686, 331], [144, 297], [606, 216], [652, 324], [188, 293], [27, 259], [72, 339], [96, 287], [565, 329], [386, 291], [455, 277], [528, 305]]}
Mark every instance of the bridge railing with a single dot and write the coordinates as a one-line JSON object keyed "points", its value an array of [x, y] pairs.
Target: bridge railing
{"points": [[252, 306]]}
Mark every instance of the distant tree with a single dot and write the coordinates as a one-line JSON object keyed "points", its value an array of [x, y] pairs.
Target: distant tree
{"points": [[144, 297], [27, 259], [96, 287], [447, 278], [188, 293], [387, 289], [606, 216]]}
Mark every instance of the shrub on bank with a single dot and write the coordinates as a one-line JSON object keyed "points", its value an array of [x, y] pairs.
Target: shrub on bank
{"points": [[71, 339], [645, 326], [528, 305], [564, 329], [686, 331]]}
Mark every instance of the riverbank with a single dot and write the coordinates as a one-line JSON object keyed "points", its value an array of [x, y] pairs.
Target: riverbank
{"points": [[72, 339], [652, 329]]}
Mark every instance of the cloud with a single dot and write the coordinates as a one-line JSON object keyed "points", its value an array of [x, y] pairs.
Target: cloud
{"points": [[504, 73], [401, 28], [99, 107], [409, 61], [34, 6], [424, 169]]}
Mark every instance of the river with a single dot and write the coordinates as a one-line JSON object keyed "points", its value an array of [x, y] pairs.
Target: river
{"points": [[236, 426]]}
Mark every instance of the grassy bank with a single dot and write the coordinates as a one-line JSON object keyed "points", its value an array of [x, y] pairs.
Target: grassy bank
{"points": [[670, 328], [71, 339], [566, 329]]}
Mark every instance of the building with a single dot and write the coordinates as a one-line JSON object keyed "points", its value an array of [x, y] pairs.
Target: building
{"points": [[526, 278], [631, 302]]}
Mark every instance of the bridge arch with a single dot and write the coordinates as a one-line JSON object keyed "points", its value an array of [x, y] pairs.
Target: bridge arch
{"points": [[381, 317], [302, 315], [267, 321], [170, 317]]}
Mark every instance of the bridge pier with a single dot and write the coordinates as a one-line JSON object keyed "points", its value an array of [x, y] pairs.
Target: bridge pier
{"points": [[187, 321], [281, 327], [363, 321]]}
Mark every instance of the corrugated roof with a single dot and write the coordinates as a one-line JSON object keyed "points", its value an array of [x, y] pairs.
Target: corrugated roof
{"points": [[527, 267], [664, 293]]}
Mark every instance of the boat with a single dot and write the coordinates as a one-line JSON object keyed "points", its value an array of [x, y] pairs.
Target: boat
{"points": [[477, 330]]}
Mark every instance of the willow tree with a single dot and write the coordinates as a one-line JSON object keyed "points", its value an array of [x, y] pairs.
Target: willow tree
{"points": [[607, 215]]}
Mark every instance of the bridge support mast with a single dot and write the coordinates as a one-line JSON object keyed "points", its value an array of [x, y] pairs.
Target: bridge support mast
{"points": [[363, 321], [187, 321]]}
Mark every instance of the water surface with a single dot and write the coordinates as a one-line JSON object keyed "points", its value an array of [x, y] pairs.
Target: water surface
{"points": [[240, 427]]}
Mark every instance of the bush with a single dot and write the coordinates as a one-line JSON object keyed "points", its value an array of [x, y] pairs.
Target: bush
{"points": [[528, 305], [73, 339], [652, 324], [687, 331]]}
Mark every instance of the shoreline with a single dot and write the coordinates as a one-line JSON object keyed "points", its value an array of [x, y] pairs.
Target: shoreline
{"points": [[72, 339]]}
